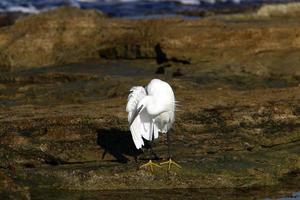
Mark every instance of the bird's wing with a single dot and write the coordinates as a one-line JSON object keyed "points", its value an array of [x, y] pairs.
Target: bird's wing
{"points": [[136, 135], [145, 122], [137, 93], [142, 126]]}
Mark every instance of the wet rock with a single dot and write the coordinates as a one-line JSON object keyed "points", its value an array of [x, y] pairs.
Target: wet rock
{"points": [[222, 138]]}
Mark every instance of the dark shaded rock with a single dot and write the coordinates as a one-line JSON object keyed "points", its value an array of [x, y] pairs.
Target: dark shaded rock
{"points": [[160, 70], [161, 57], [7, 19], [127, 52], [182, 61], [177, 73]]}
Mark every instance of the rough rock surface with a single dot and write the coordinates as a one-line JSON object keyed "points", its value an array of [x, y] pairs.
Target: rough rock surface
{"points": [[70, 132], [54, 37], [258, 46], [64, 127]]}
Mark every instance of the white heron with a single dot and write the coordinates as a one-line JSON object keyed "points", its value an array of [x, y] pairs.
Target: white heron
{"points": [[151, 110]]}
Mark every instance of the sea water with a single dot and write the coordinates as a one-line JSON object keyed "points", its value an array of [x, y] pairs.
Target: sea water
{"points": [[129, 8]]}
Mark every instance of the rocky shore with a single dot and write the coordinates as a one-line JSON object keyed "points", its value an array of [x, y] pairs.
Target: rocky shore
{"points": [[65, 76]]}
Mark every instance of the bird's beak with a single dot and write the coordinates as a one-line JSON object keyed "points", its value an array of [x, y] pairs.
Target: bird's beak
{"points": [[135, 114]]}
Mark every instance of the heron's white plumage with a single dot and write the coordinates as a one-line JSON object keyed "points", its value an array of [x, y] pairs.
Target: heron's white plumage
{"points": [[150, 110], [137, 93]]}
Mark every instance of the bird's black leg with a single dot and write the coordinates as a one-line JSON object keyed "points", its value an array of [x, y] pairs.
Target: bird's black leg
{"points": [[170, 161], [169, 141], [153, 155]]}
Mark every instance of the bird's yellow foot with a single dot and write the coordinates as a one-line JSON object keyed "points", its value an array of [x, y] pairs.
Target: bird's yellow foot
{"points": [[170, 162], [149, 164]]}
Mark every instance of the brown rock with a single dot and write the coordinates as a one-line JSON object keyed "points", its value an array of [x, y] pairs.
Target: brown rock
{"points": [[10, 190], [57, 36], [69, 35]]}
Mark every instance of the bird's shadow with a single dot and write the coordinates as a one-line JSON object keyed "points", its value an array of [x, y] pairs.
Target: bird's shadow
{"points": [[118, 143]]}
